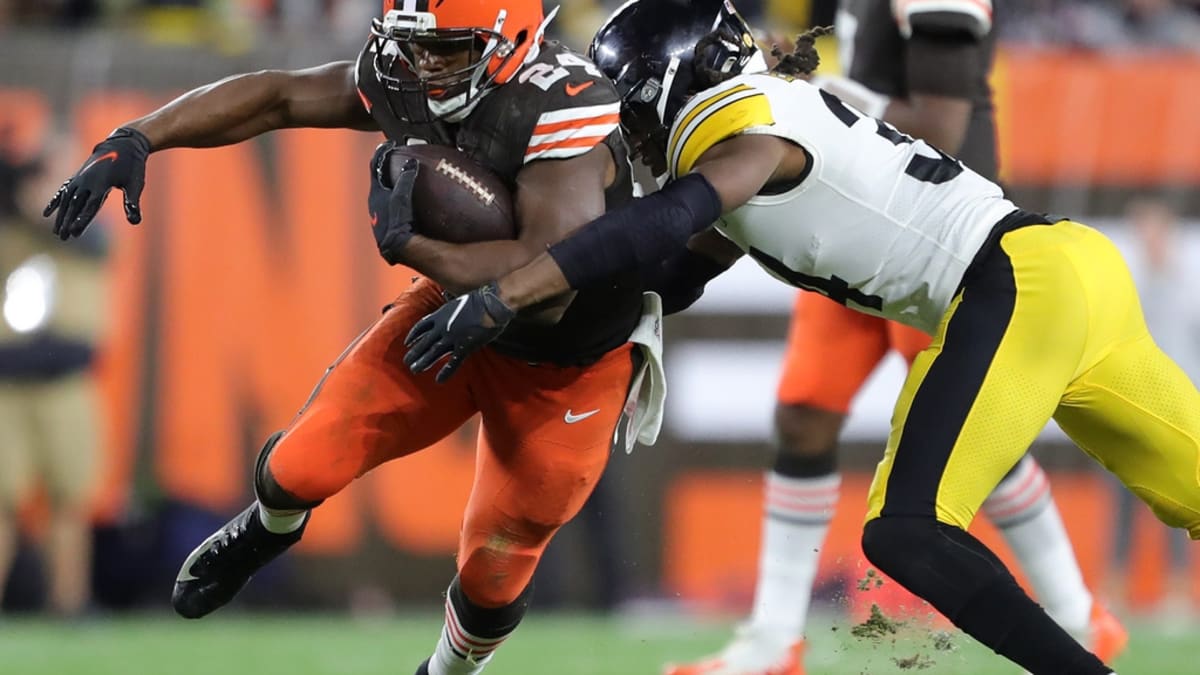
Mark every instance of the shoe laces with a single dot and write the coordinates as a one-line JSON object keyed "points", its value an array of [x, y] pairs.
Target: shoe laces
{"points": [[228, 545]]}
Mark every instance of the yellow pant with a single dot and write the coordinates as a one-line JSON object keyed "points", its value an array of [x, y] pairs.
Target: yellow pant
{"points": [[1047, 324]]}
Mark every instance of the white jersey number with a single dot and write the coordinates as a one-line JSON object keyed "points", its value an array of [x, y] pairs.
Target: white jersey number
{"points": [[936, 170]]}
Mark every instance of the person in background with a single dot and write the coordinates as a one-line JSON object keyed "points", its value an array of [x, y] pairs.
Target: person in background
{"points": [[51, 313], [1167, 286]]}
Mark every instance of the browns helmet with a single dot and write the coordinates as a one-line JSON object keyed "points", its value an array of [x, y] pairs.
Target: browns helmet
{"points": [[499, 35]]}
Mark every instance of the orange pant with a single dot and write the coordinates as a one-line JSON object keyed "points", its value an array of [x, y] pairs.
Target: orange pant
{"points": [[539, 453], [832, 350]]}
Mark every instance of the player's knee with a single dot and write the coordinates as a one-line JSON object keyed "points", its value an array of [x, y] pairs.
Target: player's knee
{"points": [[268, 490], [496, 574], [487, 620], [806, 440], [894, 543]]}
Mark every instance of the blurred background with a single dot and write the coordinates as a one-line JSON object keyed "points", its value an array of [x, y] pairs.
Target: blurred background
{"points": [[180, 344]]}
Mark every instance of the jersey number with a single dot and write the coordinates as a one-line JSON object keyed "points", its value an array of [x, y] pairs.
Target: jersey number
{"points": [[543, 75], [833, 288], [934, 170]]}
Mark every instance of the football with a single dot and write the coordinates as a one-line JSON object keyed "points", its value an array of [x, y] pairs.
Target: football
{"points": [[456, 199]]}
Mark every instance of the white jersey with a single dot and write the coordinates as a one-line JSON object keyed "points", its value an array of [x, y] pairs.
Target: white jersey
{"points": [[879, 222]]}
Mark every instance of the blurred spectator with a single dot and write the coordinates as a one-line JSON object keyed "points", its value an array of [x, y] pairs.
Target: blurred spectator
{"points": [[1104, 24], [54, 12], [1167, 285], [50, 313]]}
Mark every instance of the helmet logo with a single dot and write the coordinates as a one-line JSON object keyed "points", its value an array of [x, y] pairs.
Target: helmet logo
{"points": [[649, 91]]}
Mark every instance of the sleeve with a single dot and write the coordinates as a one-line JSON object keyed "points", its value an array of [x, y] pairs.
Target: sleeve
{"points": [[577, 114], [711, 117], [944, 17], [945, 66]]}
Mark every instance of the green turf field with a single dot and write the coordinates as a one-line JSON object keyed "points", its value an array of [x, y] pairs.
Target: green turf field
{"points": [[242, 644]]}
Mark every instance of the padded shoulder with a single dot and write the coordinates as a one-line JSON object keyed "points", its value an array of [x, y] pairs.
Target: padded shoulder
{"points": [[944, 17], [715, 114]]}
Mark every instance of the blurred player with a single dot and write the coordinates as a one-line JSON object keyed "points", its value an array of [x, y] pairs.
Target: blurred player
{"points": [[922, 67], [828, 199], [474, 74]]}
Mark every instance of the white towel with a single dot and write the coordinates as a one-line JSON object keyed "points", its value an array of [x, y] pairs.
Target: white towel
{"points": [[643, 412]]}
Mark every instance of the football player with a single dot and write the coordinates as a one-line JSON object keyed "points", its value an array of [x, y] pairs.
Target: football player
{"points": [[476, 75], [831, 200], [922, 67]]}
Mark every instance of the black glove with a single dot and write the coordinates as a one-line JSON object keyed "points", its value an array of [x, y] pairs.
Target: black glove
{"points": [[118, 161], [390, 203], [458, 328]]}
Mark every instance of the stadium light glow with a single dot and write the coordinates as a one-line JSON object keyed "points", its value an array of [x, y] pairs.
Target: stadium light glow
{"points": [[29, 294]]}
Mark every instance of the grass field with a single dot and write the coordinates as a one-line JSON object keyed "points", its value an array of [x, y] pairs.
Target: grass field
{"points": [[247, 644]]}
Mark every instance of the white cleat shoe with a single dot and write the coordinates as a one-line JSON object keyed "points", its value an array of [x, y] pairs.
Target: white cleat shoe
{"points": [[752, 652]]}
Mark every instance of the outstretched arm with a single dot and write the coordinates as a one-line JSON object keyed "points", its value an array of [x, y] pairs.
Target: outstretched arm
{"points": [[651, 229], [222, 113], [243, 106]]}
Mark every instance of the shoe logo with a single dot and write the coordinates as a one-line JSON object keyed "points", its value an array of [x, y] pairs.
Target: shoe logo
{"points": [[573, 89], [374, 219], [572, 419]]}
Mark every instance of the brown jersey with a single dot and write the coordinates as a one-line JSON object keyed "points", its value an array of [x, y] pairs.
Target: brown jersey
{"points": [[873, 35], [556, 107]]}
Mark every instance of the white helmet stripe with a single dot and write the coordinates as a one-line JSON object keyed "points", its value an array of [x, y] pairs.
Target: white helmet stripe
{"points": [[665, 93]]}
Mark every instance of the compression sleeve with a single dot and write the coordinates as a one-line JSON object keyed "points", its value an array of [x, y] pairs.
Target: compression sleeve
{"points": [[640, 234]]}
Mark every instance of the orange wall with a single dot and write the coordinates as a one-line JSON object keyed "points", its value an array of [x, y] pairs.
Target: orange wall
{"points": [[1118, 119]]}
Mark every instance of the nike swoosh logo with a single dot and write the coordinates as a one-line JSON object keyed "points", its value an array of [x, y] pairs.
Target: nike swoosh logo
{"points": [[462, 301], [374, 219], [112, 154], [572, 419], [573, 89]]}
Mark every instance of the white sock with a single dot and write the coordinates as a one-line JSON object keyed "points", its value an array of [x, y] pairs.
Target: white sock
{"points": [[459, 652], [1021, 506], [795, 520], [281, 522]]}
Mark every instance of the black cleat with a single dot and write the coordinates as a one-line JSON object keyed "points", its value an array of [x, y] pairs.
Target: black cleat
{"points": [[222, 564], [423, 669]]}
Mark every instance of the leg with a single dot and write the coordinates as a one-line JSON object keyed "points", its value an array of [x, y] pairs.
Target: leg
{"points": [[1138, 414], [533, 473], [831, 352], [70, 453], [972, 404], [16, 468], [1025, 513], [368, 409]]}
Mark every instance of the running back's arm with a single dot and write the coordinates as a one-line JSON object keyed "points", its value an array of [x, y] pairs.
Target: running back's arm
{"points": [[243, 106]]}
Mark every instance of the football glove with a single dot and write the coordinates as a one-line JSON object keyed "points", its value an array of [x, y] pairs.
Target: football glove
{"points": [[390, 203], [118, 161], [458, 328]]}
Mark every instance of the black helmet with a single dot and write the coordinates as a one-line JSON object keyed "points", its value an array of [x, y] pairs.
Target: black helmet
{"points": [[653, 49]]}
